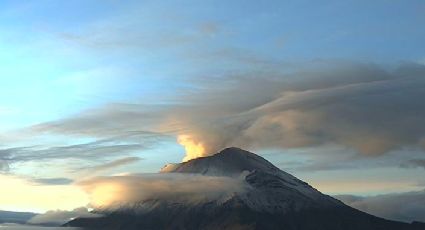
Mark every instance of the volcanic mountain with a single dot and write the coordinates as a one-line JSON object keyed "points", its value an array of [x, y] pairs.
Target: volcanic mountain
{"points": [[273, 200]]}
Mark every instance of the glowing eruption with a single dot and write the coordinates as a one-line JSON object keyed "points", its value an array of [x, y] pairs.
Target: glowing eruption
{"points": [[193, 148]]}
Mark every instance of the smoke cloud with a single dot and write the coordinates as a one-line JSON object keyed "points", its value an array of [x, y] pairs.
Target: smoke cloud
{"points": [[365, 107]]}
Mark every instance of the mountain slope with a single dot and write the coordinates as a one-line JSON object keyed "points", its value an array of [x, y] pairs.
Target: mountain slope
{"points": [[15, 217], [274, 200]]}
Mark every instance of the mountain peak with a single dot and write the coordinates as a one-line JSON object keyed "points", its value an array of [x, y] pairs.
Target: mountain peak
{"points": [[234, 150], [229, 161], [271, 199]]}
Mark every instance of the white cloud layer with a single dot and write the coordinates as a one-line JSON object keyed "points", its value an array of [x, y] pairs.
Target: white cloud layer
{"points": [[60, 217], [119, 190]]}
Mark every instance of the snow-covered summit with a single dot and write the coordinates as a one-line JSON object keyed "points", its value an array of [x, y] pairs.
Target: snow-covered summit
{"points": [[272, 189], [227, 162]]}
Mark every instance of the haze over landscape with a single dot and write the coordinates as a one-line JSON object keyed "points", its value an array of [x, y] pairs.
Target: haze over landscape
{"points": [[101, 100]]}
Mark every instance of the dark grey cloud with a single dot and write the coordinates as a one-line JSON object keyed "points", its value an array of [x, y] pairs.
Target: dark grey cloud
{"points": [[361, 106], [414, 163], [53, 181], [405, 207], [4, 166]]}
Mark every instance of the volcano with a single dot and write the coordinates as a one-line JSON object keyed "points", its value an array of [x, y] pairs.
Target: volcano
{"points": [[274, 200]]}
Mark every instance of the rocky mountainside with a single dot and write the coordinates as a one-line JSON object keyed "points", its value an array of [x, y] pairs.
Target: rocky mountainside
{"points": [[274, 200]]}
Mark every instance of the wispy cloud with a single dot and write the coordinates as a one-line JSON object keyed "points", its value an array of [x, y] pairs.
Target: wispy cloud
{"points": [[112, 120], [110, 165], [89, 154], [53, 181], [125, 143]]}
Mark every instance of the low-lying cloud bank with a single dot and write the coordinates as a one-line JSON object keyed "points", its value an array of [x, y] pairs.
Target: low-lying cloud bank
{"points": [[119, 190], [405, 207], [60, 217]]}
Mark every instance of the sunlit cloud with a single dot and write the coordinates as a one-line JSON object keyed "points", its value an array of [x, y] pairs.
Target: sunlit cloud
{"points": [[21, 195], [122, 190]]}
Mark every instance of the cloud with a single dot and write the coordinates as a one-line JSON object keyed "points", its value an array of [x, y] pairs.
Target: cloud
{"points": [[175, 32], [112, 120], [104, 148], [53, 181], [60, 217], [361, 106], [81, 151], [4, 166], [406, 207], [112, 164], [119, 190], [414, 163]]}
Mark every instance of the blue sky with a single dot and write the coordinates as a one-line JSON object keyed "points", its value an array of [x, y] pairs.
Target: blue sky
{"points": [[125, 78], [59, 58]]}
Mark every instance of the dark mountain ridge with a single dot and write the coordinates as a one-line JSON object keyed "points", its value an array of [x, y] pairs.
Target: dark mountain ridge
{"points": [[275, 200], [15, 217]]}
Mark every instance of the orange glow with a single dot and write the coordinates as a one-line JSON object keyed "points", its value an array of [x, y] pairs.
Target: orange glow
{"points": [[193, 149], [105, 194]]}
